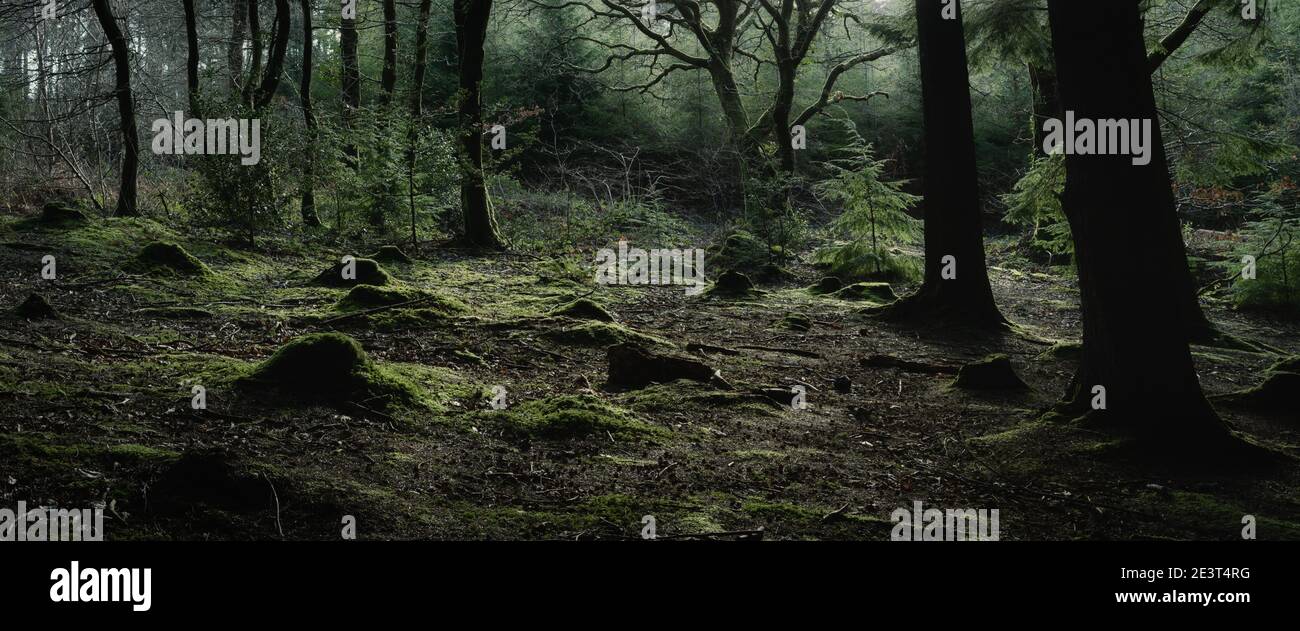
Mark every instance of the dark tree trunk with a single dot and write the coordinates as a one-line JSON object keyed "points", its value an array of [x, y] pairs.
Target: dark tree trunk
{"points": [[1046, 104], [192, 58], [471, 31], [1131, 273], [126, 197], [388, 80], [275, 65], [351, 89], [953, 221], [235, 48], [255, 65], [309, 216]]}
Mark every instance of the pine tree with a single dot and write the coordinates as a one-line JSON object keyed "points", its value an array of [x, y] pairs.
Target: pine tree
{"points": [[874, 220]]}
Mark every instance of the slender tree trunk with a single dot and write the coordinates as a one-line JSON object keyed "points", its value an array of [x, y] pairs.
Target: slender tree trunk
{"points": [[255, 65], [954, 233], [388, 80], [275, 65], [126, 197], [471, 31], [192, 58], [1121, 215], [351, 90], [417, 102], [1046, 103], [387, 189], [309, 216], [235, 48]]}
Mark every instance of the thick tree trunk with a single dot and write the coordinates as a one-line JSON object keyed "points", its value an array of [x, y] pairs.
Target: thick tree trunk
{"points": [[309, 216], [275, 65], [192, 58], [471, 31], [953, 221], [1122, 216], [351, 89], [126, 197], [235, 48]]}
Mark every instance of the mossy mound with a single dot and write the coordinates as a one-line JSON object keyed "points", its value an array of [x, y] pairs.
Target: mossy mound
{"points": [[600, 334], [371, 296], [871, 292], [740, 250], [568, 417], [1063, 350], [176, 313], [161, 257], [368, 272], [390, 254], [1280, 392], [991, 373], [36, 307], [583, 309], [732, 284], [795, 322], [56, 214], [332, 368], [773, 273], [827, 285], [635, 366]]}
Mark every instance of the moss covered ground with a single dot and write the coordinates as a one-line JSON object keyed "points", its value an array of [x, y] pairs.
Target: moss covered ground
{"points": [[380, 401]]}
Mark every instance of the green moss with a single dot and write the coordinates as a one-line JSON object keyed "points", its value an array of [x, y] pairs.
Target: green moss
{"points": [[572, 417], [175, 313], [732, 284], [739, 251], [880, 293], [583, 309], [391, 255], [600, 334], [684, 395], [368, 272], [167, 258], [795, 322], [826, 285], [60, 214], [1062, 350], [332, 367]]}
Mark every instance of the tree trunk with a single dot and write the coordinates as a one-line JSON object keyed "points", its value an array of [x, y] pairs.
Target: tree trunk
{"points": [[274, 65], [388, 80], [1121, 215], [126, 197], [255, 62], [351, 89], [387, 190], [235, 48], [471, 31], [953, 220], [1046, 103], [192, 58], [417, 102], [309, 216]]}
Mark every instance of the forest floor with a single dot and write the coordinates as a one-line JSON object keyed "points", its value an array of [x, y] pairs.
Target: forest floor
{"points": [[95, 406]]}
